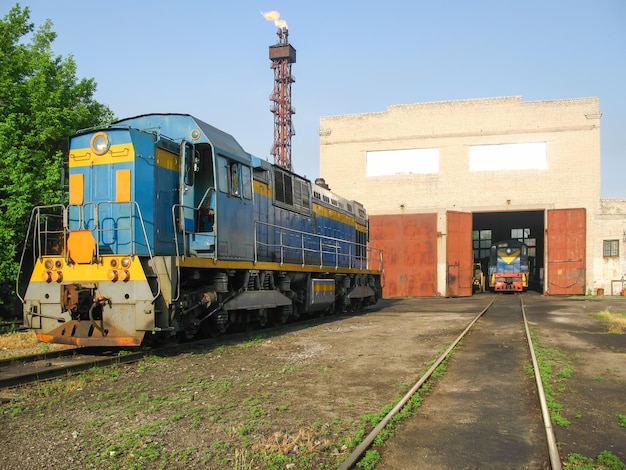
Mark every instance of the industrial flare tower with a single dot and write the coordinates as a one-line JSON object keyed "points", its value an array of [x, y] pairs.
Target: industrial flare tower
{"points": [[282, 55]]}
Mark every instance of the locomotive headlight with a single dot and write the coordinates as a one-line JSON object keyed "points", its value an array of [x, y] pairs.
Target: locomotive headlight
{"points": [[114, 263], [48, 264], [100, 143], [58, 264], [125, 262]]}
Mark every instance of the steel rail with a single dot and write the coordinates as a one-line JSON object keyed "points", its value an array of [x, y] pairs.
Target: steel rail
{"points": [[13, 360], [48, 373], [369, 439], [555, 459]]}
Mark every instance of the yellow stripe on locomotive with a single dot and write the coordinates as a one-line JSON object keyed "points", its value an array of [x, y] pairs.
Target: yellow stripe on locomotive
{"points": [[508, 255]]}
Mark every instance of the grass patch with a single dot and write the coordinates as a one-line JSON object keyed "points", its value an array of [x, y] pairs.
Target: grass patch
{"points": [[16, 343], [372, 456], [605, 461], [614, 321], [554, 369], [253, 340], [13, 342]]}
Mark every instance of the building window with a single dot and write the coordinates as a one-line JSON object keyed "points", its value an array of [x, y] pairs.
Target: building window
{"points": [[523, 235], [481, 243], [610, 248]]}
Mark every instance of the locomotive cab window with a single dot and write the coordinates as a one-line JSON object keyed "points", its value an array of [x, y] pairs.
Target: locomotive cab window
{"points": [[235, 181], [234, 178], [223, 174], [246, 182]]}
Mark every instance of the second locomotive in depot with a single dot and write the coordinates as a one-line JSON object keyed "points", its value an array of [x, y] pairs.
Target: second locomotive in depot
{"points": [[508, 266], [171, 229]]}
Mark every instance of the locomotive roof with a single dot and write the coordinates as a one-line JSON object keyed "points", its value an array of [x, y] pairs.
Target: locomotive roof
{"points": [[182, 126]]}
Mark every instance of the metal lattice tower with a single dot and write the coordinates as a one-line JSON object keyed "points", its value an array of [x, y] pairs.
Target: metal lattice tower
{"points": [[282, 55]]}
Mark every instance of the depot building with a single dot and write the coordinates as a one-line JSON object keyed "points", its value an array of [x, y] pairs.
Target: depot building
{"points": [[444, 181]]}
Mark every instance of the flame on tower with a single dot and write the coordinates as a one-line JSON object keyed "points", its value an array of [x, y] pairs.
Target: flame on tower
{"points": [[275, 17]]}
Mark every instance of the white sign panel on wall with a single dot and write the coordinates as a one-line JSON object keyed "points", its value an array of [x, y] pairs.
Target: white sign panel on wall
{"points": [[402, 162], [525, 156]]}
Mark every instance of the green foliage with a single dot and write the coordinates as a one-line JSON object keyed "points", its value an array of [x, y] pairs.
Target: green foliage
{"points": [[578, 461], [606, 460], [42, 103], [369, 461]]}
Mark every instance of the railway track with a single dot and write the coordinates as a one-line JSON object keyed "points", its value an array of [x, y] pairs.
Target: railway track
{"points": [[485, 412], [39, 367]]}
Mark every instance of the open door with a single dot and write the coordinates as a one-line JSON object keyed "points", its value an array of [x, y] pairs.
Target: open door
{"points": [[188, 168], [566, 245], [459, 254]]}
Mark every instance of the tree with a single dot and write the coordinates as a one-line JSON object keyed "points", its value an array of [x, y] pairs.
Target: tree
{"points": [[41, 104]]}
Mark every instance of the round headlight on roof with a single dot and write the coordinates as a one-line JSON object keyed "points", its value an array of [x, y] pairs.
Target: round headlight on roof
{"points": [[100, 143]]}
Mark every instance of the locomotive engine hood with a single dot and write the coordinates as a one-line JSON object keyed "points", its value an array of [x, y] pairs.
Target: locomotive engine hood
{"points": [[191, 129]]}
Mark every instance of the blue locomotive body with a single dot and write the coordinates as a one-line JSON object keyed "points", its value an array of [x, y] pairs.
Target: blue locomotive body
{"points": [[171, 227]]}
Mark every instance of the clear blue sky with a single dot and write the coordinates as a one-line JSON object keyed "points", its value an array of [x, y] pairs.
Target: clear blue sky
{"points": [[210, 59]]}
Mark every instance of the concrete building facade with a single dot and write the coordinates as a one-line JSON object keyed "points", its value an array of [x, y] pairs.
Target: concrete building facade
{"points": [[436, 177]]}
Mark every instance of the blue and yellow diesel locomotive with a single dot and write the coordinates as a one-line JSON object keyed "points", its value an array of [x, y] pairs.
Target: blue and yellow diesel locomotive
{"points": [[508, 266], [170, 228]]}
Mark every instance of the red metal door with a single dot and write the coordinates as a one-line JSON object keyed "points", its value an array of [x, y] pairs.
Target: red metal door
{"points": [[409, 244], [459, 254], [566, 242]]}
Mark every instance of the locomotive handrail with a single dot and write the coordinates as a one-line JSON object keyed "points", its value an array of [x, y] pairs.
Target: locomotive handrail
{"points": [[35, 224], [177, 252], [81, 214], [205, 197], [132, 250], [175, 207], [325, 246], [184, 232]]}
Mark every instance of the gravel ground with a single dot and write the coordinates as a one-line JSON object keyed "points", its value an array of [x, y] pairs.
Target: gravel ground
{"points": [[299, 396]]}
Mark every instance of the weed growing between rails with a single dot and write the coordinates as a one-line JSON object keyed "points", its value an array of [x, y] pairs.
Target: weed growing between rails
{"points": [[605, 461], [555, 369], [372, 456]]}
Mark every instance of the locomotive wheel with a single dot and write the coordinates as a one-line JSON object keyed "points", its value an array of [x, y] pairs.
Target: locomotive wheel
{"points": [[217, 325], [280, 315], [156, 339], [295, 311]]}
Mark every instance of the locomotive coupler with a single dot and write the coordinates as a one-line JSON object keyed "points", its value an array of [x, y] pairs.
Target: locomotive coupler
{"points": [[99, 302]]}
